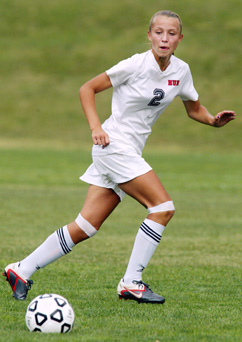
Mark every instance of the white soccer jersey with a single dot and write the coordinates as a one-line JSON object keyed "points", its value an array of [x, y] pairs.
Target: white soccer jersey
{"points": [[141, 92]]}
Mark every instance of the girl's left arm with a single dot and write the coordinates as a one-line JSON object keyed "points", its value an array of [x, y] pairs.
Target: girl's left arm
{"points": [[199, 113]]}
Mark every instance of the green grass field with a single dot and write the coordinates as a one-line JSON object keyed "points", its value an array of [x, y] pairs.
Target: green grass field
{"points": [[197, 266], [48, 49]]}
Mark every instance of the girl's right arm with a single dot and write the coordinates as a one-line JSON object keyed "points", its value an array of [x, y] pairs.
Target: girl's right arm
{"points": [[87, 96]]}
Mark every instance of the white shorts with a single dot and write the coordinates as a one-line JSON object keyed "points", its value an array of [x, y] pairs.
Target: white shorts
{"points": [[109, 170]]}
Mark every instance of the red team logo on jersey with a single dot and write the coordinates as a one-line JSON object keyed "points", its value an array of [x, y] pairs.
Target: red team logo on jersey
{"points": [[173, 82]]}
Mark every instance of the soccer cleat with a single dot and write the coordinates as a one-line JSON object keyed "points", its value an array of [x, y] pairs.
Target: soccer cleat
{"points": [[140, 292], [19, 284]]}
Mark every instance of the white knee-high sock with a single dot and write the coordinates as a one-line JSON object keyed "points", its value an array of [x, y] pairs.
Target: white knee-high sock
{"points": [[147, 239], [55, 246]]}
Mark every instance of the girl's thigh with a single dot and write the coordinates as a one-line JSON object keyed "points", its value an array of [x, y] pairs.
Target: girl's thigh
{"points": [[146, 189], [99, 204]]}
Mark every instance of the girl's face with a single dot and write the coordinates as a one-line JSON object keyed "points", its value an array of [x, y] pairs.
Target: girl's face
{"points": [[164, 36]]}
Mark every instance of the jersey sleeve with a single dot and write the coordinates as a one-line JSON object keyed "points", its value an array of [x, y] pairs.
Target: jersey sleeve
{"points": [[188, 92], [123, 71]]}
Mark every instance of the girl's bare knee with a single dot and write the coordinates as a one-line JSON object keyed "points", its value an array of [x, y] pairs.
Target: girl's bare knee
{"points": [[162, 217]]}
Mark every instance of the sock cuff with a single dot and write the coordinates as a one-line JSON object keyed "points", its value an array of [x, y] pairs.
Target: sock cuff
{"points": [[157, 227], [64, 240], [152, 231]]}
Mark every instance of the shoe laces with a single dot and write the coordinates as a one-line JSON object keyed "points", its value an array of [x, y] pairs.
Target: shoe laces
{"points": [[140, 283], [29, 284]]}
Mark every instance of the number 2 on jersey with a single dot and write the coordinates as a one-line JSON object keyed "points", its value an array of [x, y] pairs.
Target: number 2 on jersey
{"points": [[159, 95]]}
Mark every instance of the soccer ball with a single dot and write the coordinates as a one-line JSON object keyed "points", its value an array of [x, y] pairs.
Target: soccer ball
{"points": [[50, 313]]}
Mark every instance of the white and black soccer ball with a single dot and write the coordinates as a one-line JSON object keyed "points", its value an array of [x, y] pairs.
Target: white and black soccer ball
{"points": [[50, 313]]}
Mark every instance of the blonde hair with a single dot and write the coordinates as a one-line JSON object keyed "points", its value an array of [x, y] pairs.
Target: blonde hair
{"points": [[169, 14]]}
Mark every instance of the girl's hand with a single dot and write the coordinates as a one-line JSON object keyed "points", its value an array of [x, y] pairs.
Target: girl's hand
{"points": [[223, 118], [100, 137]]}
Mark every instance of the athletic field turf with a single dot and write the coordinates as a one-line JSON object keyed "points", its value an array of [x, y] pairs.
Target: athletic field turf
{"points": [[197, 266]]}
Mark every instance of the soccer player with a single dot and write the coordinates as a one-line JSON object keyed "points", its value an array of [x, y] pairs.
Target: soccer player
{"points": [[143, 86]]}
